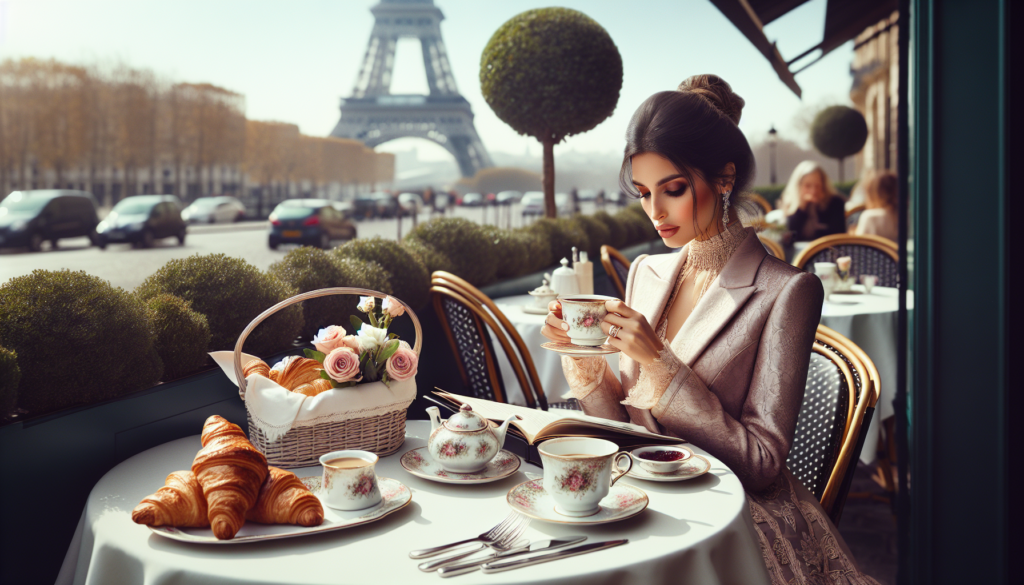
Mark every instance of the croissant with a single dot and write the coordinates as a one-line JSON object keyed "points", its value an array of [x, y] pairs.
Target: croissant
{"points": [[284, 500], [231, 472], [298, 372], [179, 503], [256, 366], [313, 388]]}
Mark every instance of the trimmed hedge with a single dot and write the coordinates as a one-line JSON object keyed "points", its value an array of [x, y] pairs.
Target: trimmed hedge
{"points": [[10, 376], [562, 234], [78, 339], [471, 255], [597, 234], [408, 277], [182, 335], [618, 234]]}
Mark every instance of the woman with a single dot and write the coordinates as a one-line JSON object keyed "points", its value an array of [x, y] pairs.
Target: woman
{"points": [[813, 206], [716, 339], [879, 215]]}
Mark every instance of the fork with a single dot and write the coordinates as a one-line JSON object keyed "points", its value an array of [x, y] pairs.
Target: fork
{"points": [[486, 538], [510, 542]]}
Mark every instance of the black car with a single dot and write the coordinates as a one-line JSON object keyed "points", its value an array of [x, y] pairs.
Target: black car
{"points": [[364, 206], [308, 222], [29, 218], [140, 220]]}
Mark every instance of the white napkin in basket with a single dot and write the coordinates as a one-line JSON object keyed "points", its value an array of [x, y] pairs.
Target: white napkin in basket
{"points": [[275, 410]]}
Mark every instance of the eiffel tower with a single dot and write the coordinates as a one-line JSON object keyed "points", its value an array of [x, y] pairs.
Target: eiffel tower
{"points": [[373, 115]]}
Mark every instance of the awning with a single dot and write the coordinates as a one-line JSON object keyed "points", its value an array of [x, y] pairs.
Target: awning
{"points": [[844, 19]]}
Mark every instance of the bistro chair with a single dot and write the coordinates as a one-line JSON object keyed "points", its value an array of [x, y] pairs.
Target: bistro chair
{"points": [[616, 266], [839, 400], [761, 202], [853, 216], [870, 254], [773, 247], [469, 319]]}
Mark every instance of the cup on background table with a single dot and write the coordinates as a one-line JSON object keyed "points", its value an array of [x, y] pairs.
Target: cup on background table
{"points": [[584, 314], [578, 472], [349, 481], [869, 281]]}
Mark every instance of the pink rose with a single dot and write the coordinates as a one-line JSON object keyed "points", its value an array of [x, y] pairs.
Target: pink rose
{"points": [[351, 342], [843, 263], [329, 339], [342, 365], [402, 365], [392, 307]]}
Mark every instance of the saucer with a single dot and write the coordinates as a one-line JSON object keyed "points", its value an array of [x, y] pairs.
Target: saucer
{"points": [[694, 466], [532, 310], [623, 501], [571, 349], [418, 463]]}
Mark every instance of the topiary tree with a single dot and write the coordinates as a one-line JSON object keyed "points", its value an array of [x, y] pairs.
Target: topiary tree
{"points": [[839, 132], [78, 339], [551, 73], [230, 292], [407, 275], [182, 335], [463, 243], [10, 376], [308, 269]]}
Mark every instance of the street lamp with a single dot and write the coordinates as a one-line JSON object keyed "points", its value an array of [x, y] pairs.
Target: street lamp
{"points": [[772, 140]]}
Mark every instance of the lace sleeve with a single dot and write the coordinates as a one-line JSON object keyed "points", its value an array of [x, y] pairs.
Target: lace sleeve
{"points": [[654, 379], [583, 374]]}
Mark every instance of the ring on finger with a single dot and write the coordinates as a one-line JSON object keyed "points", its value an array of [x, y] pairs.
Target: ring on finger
{"points": [[614, 331]]}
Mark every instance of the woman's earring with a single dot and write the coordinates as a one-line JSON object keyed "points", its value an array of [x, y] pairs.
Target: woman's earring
{"points": [[725, 207]]}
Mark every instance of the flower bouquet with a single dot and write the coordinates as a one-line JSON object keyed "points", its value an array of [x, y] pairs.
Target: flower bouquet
{"points": [[844, 282]]}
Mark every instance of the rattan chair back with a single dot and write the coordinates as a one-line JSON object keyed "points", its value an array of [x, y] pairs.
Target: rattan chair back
{"points": [[773, 247], [870, 255], [469, 317], [761, 202], [616, 266]]}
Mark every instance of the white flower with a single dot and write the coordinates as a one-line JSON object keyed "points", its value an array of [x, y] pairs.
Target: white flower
{"points": [[370, 338], [366, 304]]}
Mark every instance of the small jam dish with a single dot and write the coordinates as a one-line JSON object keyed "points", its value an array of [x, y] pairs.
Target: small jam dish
{"points": [[661, 459]]}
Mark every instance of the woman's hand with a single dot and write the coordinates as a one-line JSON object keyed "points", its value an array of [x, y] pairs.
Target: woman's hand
{"points": [[555, 328], [635, 337]]}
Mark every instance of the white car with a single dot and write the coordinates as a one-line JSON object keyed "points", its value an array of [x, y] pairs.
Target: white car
{"points": [[214, 210]]}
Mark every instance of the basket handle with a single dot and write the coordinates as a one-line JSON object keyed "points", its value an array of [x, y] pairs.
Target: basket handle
{"points": [[323, 292]]}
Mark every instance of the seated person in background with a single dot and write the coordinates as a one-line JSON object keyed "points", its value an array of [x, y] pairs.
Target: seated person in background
{"points": [[813, 206], [879, 219]]}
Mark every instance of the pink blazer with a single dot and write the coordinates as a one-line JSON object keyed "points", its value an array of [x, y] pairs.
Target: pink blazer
{"points": [[745, 348]]}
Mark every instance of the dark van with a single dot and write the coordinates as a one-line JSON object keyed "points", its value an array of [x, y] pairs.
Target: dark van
{"points": [[29, 218], [141, 220]]}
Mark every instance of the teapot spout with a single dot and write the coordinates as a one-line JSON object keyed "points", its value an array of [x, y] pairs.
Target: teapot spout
{"points": [[499, 433], [435, 417]]}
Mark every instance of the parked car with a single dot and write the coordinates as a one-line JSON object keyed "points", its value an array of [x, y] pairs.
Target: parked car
{"points": [[29, 218], [365, 206], [386, 205], [508, 197], [410, 203], [586, 195], [347, 208], [472, 200], [308, 222], [533, 203], [441, 201], [214, 210], [141, 220]]}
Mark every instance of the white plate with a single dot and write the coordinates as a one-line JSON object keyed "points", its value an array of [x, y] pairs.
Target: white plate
{"points": [[623, 501], [419, 463], [571, 349], [396, 496], [694, 466]]}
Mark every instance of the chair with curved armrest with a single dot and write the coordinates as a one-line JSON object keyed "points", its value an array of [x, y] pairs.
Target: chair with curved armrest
{"points": [[616, 266], [870, 255]]}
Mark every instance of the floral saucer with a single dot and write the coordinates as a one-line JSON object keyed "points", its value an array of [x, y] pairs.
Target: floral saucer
{"points": [[419, 463], [694, 466], [394, 493], [571, 349], [623, 501], [534, 310]]}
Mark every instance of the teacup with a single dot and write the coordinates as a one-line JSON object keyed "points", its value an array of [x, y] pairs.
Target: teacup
{"points": [[578, 473], [584, 314], [869, 281], [349, 481]]}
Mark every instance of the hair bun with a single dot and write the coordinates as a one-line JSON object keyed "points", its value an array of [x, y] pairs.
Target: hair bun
{"points": [[715, 90]]}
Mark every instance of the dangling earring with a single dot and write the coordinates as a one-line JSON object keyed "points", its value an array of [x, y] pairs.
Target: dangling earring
{"points": [[725, 207]]}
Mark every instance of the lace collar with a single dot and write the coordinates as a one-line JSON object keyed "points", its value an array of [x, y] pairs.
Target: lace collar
{"points": [[713, 253]]}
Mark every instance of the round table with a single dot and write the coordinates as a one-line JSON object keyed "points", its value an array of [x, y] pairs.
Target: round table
{"points": [[695, 531]]}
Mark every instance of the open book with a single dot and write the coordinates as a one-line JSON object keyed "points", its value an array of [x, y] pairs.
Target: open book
{"points": [[538, 425]]}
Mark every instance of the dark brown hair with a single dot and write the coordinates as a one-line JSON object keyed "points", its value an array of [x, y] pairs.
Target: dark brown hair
{"points": [[694, 128]]}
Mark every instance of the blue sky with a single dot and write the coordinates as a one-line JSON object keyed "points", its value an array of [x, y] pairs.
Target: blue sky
{"points": [[294, 60]]}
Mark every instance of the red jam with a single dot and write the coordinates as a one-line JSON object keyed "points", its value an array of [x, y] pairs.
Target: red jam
{"points": [[662, 455]]}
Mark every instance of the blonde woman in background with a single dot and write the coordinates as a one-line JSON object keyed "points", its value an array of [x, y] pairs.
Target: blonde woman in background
{"points": [[879, 217], [812, 205]]}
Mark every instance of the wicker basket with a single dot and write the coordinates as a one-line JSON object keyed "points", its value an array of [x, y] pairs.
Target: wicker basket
{"points": [[302, 446]]}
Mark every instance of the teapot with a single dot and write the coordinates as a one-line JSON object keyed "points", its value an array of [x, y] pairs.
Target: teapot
{"points": [[564, 281], [464, 443]]}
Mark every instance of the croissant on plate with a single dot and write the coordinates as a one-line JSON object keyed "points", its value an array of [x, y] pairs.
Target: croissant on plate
{"points": [[298, 372], [284, 499], [231, 472], [256, 366], [179, 503], [313, 388]]}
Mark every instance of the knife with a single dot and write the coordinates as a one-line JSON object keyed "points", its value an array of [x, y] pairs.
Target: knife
{"points": [[470, 566], [498, 566]]}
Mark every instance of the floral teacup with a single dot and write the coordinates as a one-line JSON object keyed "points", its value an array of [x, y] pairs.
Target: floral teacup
{"points": [[584, 314], [349, 481], [578, 473]]}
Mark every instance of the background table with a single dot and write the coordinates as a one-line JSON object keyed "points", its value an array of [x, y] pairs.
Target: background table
{"points": [[696, 531]]}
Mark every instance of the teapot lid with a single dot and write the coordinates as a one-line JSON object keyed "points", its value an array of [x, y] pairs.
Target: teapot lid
{"points": [[466, 420], [564, 270]]}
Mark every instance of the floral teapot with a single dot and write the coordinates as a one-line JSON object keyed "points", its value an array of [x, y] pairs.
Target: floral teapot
{"points": [[466, 442]]}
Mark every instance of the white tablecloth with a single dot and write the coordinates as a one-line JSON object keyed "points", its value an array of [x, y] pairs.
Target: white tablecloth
{"points": [[696, 531], [869, 320]]}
